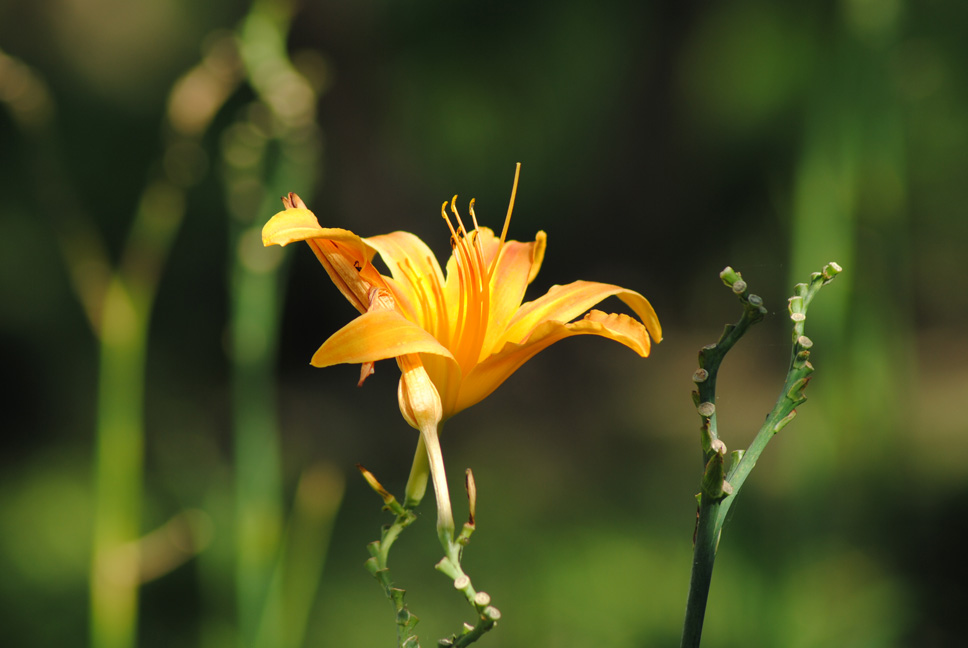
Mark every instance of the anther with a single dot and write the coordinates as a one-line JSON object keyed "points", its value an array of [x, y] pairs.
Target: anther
{"points": [[460, 224]]}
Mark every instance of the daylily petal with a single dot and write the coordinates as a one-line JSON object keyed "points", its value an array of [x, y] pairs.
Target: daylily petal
{"points": [[404, 300], [537, 256], [492, 245], [343, 254], [488, 375], [376, 335], [513, 271], [563, 303], [301, 224], [446, 376], [416, 272]]}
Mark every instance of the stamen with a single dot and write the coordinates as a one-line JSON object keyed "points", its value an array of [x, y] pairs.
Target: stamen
{"points": [[465, 253], [470, 208], [472, 335], [460, 223], [472, 312], [453, 234], [507, 222], [514, 192], [478, 246], [455, 244]]}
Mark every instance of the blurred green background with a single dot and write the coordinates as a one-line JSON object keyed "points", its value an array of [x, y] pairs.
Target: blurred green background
{"points": [[158, 384]]}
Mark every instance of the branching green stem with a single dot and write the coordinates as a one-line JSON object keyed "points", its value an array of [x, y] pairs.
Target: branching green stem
{"points": [[449, 565], [377, 564], [720, 487], [487, 614]]}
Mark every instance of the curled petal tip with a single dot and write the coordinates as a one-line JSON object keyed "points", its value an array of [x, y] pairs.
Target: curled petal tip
{"points": [[366, 370]]}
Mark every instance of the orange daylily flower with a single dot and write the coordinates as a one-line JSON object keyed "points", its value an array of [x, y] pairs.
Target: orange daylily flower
{"points": [[469, 328]]}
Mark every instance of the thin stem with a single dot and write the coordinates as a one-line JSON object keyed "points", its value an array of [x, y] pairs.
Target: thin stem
{"points": [[487, 614], [377, 564]]}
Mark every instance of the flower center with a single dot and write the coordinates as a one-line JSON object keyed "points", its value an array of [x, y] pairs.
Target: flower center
{"points": [[474, 272]]}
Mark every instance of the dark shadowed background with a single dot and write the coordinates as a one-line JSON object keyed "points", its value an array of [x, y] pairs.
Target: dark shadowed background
{"points": [[659, 143]]}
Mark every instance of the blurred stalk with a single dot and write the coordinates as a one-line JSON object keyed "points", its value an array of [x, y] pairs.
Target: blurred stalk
{"points": [[123, 333], [118, 470], [295, 578], [119, 453], [271, 148], [118, 303]]}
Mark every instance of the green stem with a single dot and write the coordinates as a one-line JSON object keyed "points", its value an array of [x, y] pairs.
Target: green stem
{"points": [[378, 566], [119, 460], [487, 614], [258, 480], [704, 556], [718, 491], [296, 576], [119, 464]]}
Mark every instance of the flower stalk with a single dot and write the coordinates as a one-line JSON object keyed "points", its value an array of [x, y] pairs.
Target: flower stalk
{"points": [[719, 486], [377, 564]]}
